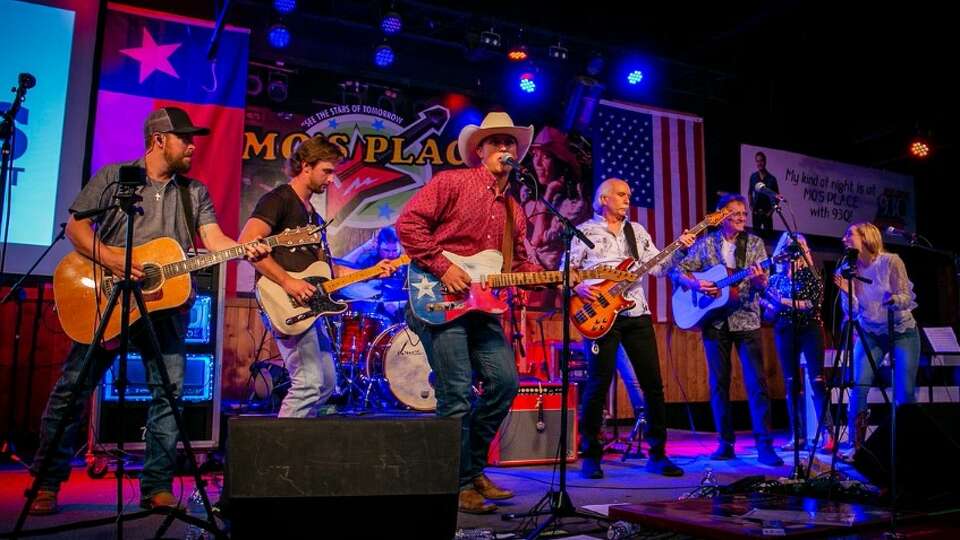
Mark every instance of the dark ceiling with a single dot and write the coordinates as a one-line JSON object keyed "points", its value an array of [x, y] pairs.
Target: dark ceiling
{"points": [[847, 81]]}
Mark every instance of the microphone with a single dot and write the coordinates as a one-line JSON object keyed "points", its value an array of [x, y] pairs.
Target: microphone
{"points": [[523, 175], [760, 187], [27, 81], [894, 231], [507, 159], [541, 425]]}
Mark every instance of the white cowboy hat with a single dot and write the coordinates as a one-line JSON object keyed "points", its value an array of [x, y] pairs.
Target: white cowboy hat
{"points": [[494, 123]]}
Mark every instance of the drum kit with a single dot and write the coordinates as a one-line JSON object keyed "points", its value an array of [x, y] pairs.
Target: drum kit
{"points": [[381, 364]]}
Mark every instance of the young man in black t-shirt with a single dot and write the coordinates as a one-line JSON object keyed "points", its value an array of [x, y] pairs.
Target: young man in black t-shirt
{"points": [[308, 356]]}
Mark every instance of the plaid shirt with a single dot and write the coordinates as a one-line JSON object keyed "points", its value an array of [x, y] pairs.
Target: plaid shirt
{"points": [[706, 253], [459, 211]]}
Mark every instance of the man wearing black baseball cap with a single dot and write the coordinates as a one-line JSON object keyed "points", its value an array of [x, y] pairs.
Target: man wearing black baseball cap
{"points": [[175, 206]]}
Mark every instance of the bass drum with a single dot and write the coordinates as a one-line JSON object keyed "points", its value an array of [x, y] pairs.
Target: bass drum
{"points": [[399, 361]]}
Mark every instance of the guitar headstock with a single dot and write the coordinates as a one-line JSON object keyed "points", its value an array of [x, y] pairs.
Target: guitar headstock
{"points": [[716, 218], [308, 234]]}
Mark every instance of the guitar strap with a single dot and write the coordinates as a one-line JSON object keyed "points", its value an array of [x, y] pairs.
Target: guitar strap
{"points": [[740, 253], [183, 185], [631, 240], [506, 247]]}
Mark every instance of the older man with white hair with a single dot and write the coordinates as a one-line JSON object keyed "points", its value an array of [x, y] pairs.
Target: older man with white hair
{"points": [[615, 239]]}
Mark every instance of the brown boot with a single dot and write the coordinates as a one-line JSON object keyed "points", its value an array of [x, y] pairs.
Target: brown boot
{"points": [[472, 502], [158, 500], [489, 490], [44, 504]]}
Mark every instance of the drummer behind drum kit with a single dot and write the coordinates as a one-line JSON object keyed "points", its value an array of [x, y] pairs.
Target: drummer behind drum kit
{"points": [[381, 363]]}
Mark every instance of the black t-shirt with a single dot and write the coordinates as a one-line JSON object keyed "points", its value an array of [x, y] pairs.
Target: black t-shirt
{"points": [[282, 209]]}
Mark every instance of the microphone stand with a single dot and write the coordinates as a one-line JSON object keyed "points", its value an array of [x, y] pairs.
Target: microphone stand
{"points": [[795, 251], [7, 131], [561, 506], [125, 294]]}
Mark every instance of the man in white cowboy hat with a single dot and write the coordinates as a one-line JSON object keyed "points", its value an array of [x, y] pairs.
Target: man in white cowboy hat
{"points": [[465, 211]]}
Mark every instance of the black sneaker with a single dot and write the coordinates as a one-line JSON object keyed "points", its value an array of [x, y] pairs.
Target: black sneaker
{"points": [[767, 456], [590, 468], [723, 453], [663, 466]]}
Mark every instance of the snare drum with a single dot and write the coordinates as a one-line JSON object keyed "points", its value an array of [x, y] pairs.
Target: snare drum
{"points": [[398, 359]]}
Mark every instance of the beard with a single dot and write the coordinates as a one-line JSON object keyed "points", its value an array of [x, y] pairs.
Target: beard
{"points": [[178, 164]]}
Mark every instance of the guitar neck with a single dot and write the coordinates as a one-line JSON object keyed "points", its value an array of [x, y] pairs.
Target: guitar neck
{"points": [[332, 285], [739, 276], [664, 255], [513, 279], [209, 259]]}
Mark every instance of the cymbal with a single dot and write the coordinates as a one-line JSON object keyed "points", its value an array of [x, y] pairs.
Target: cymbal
{"points": [[375, 290], [393, 294], [344, 262], [365, 290]]}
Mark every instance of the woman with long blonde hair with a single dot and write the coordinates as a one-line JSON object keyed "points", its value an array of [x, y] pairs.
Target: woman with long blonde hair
{"points": [[889, 289]]}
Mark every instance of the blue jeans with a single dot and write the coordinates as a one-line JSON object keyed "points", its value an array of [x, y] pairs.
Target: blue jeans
{"points": [[717, 344], [906, 360], [472, 344], [313, 375], [810, 344], [161, 433]]}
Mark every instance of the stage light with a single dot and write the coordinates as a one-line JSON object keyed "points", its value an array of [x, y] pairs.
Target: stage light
{"points": [[635, 76], [284, 7], [518, 53], [279, 36], [595, 65], [391, 23], [278, 88], [557, 52], [490, 39], [919, 149], [254, 85], [383, 56], [528, 83]]}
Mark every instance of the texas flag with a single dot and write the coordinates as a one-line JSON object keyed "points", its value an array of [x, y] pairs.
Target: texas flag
{"points": [[151, 60]]}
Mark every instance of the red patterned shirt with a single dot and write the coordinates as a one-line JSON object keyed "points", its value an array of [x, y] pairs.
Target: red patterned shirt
{"points": [[459, 211]]}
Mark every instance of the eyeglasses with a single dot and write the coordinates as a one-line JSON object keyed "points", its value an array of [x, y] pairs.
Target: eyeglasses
{"points": [[738, 214]]}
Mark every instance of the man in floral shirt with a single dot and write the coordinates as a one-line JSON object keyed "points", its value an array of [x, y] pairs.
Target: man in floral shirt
{"points": [[738, 325]]}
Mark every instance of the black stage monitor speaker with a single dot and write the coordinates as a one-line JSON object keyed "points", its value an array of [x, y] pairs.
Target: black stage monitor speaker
{"points": [[343, 477], [928, 443]]}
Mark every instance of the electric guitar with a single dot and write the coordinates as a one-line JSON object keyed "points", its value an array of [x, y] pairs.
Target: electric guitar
{"points": [[290, 317], [432, 304], [594, 319], [81, 288], [691, 307]]}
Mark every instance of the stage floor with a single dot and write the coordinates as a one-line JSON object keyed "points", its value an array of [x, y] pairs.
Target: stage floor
{"points": [[84, 498]]}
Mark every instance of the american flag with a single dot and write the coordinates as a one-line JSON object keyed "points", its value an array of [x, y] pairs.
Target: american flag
{"points": [[660, 154]]}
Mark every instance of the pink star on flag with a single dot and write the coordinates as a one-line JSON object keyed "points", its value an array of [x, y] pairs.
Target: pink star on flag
{"points": [[153, 57]]}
